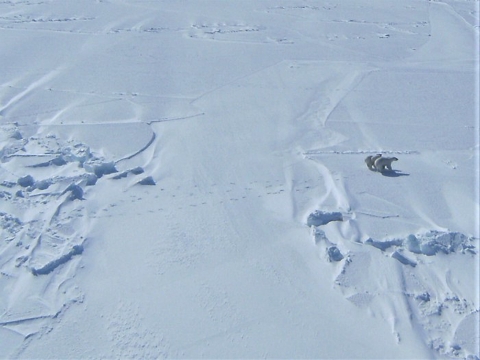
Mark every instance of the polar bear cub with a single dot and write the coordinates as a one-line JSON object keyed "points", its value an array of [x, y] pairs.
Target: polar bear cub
{"points": [[370, 161], [384, 162]]}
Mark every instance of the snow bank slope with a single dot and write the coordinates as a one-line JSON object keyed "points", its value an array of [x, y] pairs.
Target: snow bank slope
{"points": [[187, 179]]}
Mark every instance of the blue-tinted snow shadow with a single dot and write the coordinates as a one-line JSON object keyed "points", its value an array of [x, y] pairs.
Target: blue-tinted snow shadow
{"points": [[394, 173]]}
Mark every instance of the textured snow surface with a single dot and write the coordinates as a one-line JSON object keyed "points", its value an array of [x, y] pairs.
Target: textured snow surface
{"points": [[186, 179]]}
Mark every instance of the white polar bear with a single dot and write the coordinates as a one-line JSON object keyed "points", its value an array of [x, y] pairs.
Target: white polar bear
{"points": [[370, 161], [384, 162]]}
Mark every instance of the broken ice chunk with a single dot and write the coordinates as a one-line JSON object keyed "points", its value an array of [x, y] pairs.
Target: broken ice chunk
{"points": [[403, 259], [413, 244], [383, 245], [334, 254], [318, 217], [147, 181], [26, 181]]}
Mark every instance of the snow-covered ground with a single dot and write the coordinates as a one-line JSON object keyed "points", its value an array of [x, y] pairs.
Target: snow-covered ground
{"points": [[186, 179]]}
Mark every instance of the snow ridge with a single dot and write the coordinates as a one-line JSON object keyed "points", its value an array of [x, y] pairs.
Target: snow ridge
{"points": [[441, 309]]}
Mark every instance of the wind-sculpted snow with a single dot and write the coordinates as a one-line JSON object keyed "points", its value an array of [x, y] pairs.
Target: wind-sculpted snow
{"points": [[45, 221], [432, 299]]}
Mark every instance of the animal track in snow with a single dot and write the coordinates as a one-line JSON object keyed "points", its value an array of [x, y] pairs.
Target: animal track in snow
{"points": [[45, 23], [236, 32], [132, 338], [364, 28], [29, 19], [309, 153]]}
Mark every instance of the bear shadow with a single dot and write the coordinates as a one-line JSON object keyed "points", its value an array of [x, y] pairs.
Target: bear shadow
{"points": [[394, 173]]}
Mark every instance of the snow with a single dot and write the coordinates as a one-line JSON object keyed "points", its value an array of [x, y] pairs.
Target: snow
{"points": [[186, 179]]}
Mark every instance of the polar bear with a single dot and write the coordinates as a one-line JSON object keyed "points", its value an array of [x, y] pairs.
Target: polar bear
{"points": [[370, 161], [384, 162]]}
